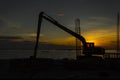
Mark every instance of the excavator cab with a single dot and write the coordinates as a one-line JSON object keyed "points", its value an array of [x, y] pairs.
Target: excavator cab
{"points": [[92, 50]]}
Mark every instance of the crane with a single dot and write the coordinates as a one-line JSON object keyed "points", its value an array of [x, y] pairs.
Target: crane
{"points": [[88, 48]]}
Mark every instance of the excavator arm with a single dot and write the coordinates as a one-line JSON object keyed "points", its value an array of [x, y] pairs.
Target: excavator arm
{"points": [[42, 16], [86, 49], [48, 18]]}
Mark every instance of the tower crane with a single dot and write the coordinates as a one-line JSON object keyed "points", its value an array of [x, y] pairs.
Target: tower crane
{"points": [[88, 48]]}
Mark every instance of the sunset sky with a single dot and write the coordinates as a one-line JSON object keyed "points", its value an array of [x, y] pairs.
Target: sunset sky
{"points": [[19, 18]]}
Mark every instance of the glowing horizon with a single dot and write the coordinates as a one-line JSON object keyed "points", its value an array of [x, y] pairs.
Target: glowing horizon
{"points": [[99, 37]]}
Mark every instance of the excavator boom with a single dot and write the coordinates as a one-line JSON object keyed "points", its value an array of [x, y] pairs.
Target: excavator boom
{"points": [[50, 19], [64, 28]]}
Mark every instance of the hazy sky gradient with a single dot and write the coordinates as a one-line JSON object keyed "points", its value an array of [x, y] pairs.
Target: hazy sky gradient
{"points": [[98, 19]]}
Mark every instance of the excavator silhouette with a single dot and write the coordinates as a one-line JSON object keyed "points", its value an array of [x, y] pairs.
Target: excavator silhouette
{"points": [[88, 48]]}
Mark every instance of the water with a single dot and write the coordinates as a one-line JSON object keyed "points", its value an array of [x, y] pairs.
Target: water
{"points": [[54, 54]]}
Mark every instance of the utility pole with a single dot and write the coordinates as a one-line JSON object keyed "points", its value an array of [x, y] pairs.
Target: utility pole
{"points": [[117, 32]]}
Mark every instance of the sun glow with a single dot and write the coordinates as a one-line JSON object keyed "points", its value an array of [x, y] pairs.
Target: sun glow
{"points": [[101, 38], [96, 43], [62, 41]]}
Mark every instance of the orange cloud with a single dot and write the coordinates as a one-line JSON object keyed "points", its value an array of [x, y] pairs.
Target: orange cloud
{"points": [[101, 37], [31, 35], [62, 41], [60, 14]]}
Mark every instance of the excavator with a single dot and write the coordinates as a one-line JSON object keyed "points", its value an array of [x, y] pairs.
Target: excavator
{"points": [[88, 48]]}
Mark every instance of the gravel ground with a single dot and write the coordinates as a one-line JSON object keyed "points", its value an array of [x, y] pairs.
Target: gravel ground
{"points": [[56, 73]]}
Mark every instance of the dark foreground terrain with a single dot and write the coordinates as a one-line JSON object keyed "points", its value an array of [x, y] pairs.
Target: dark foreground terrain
{"points": [[60, 69]]}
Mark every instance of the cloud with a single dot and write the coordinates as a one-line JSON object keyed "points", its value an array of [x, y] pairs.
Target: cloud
{"points": [[101, 36], [98, 23], [31, 35], [61, 41], [101, 21], [9, 37], [60, 14], [2, 23], [9, 28], [100, 18]]}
